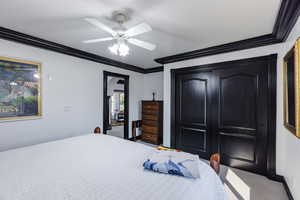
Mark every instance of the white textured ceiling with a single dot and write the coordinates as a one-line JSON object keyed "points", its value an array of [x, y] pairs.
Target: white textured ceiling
{"points": [[178, 25]]}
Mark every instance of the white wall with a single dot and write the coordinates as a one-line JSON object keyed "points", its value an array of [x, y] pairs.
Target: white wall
{"points": [[154, 83], [77, 84], [288, 146], [292, 144]]}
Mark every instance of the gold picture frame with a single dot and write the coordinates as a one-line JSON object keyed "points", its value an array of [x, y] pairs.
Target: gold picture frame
{"points": [[292, 90], [20, 89]]}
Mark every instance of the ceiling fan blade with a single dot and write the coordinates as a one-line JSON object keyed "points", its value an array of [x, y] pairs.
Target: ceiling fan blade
{"points": [[143, 44], [98, 40], [138, 29], [100, 25]]}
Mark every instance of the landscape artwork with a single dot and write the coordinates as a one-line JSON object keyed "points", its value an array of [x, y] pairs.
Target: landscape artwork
{"points": [[20, 89], [291, 74]]}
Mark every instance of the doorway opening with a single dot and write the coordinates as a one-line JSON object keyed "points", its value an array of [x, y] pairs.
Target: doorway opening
{"points": [[115, 104]]}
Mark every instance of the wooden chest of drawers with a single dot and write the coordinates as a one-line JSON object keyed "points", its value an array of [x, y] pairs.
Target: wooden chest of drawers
{"points": [[152, 121]]}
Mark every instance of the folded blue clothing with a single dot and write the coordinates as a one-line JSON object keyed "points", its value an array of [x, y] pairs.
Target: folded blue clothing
{"points": [[175, 163]]}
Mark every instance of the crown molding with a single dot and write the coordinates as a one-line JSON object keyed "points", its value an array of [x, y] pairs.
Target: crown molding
{"points": [[224, 48], [154, 69], [52, 46], [286, 18]]}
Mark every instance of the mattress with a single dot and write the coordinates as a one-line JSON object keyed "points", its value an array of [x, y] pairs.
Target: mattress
{"points": [[96, 167]]}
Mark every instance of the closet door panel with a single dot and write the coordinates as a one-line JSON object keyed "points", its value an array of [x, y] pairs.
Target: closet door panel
{"points": [[237, 100], [241, 115], [193, 101], [192, 113]]}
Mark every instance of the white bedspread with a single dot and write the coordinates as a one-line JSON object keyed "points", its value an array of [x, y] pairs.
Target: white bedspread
{"points": [[96, 167]]}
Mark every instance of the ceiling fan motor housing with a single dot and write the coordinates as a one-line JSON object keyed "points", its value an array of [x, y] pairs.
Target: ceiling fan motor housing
{"points": [[120, 17]]}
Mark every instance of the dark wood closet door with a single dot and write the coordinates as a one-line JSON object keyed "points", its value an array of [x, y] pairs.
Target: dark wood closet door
{"points": [[229, 108], [192, 113], [240, 115]]}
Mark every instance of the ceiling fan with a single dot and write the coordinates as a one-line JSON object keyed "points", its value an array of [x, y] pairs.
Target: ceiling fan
{"points": [[121, 35]]}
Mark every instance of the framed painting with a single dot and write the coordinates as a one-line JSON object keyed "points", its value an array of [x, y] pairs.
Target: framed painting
{"points": [[291, 90], [20, 89]]}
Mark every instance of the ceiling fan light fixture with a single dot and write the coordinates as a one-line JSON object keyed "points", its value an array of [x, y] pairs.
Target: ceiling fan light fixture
{"points": [[123, 49], [122, 35], [114, 49], [119, 49]]}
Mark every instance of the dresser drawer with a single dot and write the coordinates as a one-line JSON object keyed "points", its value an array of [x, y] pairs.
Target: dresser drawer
{"points": [[150, 107], [150, 112], [150, 123], [150, 117], [150, 129], [151, 103]]}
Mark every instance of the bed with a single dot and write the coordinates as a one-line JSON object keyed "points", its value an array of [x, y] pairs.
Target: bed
{"points": [[96, 167]]}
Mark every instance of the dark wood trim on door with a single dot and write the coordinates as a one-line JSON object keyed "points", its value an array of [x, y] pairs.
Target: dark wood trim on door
{"points": [[272, 73], [272, 102], [126, 95], [286, 18], [173, 108]]}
